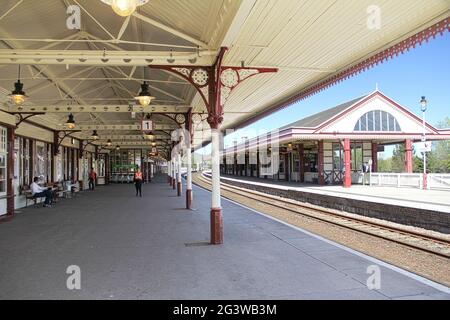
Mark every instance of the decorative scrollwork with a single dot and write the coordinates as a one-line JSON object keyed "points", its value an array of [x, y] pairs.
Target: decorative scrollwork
{"points": [[184, 71], [229, 78], [224, 94], [180, 118], [196, 118], [200, 77], [245, 73]]}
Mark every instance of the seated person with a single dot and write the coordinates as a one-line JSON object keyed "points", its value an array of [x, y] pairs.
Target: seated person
{"points": [[41, 192]]}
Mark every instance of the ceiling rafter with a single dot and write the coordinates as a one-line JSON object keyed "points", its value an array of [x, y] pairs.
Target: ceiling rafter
{"points": [[95, 20], [39, 87], [177, 33], [10, 9]]}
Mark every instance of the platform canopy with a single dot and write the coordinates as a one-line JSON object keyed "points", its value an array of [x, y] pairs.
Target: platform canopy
{"points": [[98, 69]]}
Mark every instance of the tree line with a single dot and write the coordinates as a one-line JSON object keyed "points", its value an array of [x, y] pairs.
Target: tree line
{"points": [[438, 160]]}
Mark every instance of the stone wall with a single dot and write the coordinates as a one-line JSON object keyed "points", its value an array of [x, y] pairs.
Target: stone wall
{"points": [[427, 219]]}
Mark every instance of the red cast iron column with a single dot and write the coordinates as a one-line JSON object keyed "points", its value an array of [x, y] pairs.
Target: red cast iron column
{"points": [[408, 156], [320, 162], [374, 157], [301, 162], [347, 173]]}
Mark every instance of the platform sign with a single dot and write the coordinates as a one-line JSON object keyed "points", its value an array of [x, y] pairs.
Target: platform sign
{"points": [[424, 146], [147, 125]]}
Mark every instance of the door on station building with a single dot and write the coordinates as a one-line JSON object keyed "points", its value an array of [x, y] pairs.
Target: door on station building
{"points": [[101, 173], [282, 168], [3, 170], [337, 175], [85, 174]]}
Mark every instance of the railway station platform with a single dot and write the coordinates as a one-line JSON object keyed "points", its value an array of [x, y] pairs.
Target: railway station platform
{"points": [[428, 209], [438, 200], [152, 248]]}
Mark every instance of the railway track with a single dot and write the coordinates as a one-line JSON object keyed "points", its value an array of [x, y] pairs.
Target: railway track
{"points": [[435, 245]]}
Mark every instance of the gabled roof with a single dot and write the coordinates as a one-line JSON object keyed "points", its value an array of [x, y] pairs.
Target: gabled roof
{"points": [[317, 119]]}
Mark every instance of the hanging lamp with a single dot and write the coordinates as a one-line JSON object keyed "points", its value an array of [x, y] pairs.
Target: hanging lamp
{"points": [[94, 135], [18, 96], [125, 8], [70, 123], [144, 97]]}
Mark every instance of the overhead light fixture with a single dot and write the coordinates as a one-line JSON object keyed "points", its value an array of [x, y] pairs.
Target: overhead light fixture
{"points": [[94, 135], [125, 8], [70, 123], [171, 59], [153, 144], [144, 96], [117, 147], [109, 143], [149, 135], [18, 96], [194, 59], [423, 104]]}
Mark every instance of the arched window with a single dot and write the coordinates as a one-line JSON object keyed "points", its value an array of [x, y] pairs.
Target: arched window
{"points": [[377, 120]]}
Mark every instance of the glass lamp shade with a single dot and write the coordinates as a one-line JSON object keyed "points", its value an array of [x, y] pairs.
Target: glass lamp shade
{"points": [[70, 124], [423, 104], [144, 96], [109, 143], [144, 100], [149, 135], [18, 96], [17, 99], [124, 8], [94, 135], [117, 147]]}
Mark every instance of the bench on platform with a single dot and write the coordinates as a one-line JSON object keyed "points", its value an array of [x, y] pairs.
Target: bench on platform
{"points": [[26, 191]]}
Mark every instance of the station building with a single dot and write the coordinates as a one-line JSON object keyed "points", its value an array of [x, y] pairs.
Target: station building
{"points": [[321, 148]]}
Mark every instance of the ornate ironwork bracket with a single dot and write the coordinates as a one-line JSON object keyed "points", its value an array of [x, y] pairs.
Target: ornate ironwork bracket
{"points": [[215, 83], [20, 117], [59, 138]]}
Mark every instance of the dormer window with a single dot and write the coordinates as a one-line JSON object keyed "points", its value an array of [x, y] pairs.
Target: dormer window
{"points": [[377, 120]]}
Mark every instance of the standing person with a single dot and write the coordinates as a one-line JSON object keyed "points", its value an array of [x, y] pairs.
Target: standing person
{"points": [[138, 182], [41, 192], [92, 179]]}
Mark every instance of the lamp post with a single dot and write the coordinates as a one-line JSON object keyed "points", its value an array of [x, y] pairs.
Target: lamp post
{"points": [[423, 107]]}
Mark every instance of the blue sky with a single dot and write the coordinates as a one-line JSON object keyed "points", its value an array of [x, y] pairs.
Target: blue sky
{"points": [[423, 71]]}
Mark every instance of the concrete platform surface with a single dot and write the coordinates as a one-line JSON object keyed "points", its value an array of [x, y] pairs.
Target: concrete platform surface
{"points": [[152, 248], [437, 200]]}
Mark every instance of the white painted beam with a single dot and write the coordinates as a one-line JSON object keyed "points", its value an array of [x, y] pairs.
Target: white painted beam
{"points": [[101, 58], [117, 127], [105, 108]]}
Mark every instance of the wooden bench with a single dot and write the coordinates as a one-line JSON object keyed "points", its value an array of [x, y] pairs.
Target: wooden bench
{"points": [[25, 190]]}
